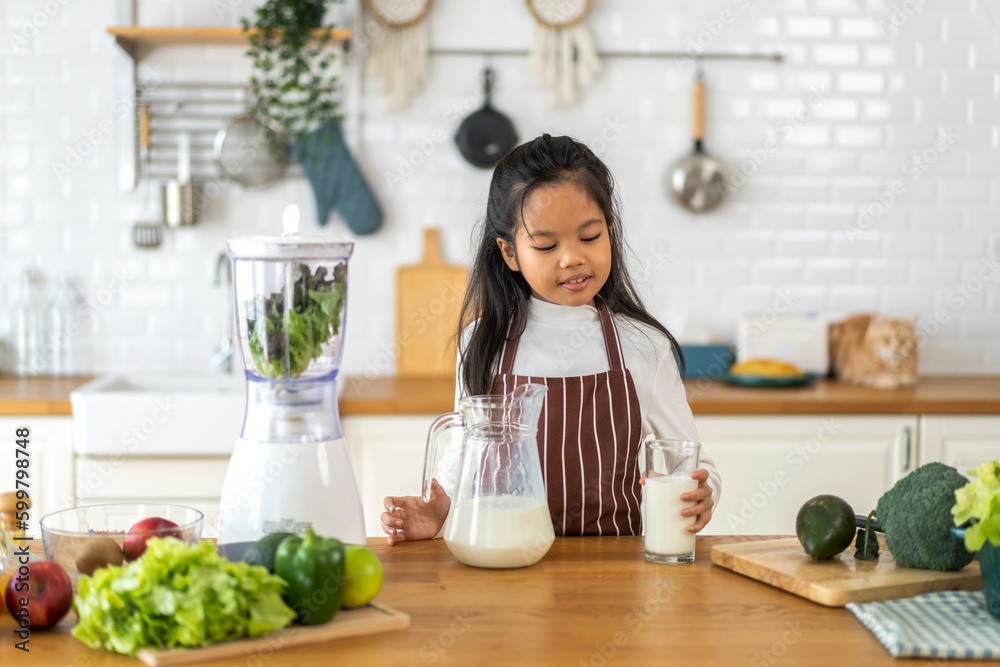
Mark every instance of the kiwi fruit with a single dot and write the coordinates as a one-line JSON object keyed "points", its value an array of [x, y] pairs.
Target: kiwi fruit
{"points": [[97, 553]]}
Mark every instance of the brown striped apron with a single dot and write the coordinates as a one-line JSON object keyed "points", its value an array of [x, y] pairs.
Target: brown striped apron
{"points": [[588, 441]]}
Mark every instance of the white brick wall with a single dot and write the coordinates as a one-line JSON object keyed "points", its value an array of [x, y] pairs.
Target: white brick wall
{"points": [[794, 224]]}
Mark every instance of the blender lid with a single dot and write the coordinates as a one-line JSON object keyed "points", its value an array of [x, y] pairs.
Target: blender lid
{"points": [[290, 245]]}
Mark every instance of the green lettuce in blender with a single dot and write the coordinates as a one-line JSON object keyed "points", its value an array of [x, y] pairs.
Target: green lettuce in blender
{"points": [[312, 321]]}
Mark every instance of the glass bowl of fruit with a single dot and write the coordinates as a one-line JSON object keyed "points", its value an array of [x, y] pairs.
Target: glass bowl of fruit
{"points": [[84, 539]]}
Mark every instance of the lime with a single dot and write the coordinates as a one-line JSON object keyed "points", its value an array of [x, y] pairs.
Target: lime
{"points": [[362, 576]]}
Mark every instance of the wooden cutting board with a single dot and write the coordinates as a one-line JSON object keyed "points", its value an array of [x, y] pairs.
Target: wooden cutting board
{"points": [[782, 563], [367, 620], [428, 301]]}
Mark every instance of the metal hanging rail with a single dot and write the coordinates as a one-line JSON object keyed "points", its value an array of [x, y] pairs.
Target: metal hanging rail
{"points": [[676, 55]]}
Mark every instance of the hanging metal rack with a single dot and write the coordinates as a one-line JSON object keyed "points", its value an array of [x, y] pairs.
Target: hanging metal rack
{"points": [[666, 55]]}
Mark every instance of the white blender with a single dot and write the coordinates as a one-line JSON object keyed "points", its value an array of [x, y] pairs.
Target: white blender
{"points": [[290, 469]]}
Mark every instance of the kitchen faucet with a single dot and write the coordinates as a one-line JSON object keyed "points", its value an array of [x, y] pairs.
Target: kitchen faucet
{"points": [[223, 357]]}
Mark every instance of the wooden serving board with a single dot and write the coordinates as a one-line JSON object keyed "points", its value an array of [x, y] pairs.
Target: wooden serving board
{"points": [[784, 564], [428, 301], [368, 620]]}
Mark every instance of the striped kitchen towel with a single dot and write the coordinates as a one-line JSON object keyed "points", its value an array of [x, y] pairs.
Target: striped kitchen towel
{"points": [[953, 624]]}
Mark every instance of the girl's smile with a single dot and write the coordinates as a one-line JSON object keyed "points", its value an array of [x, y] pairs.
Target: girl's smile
{"points": [[577, 283], [563, 249]]}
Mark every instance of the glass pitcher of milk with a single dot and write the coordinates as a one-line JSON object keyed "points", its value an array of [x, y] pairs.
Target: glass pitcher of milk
{"points": [[499, 516]]}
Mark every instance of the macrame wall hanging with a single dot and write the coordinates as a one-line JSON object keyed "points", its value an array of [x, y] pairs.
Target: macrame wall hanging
{"points": [[563, 52], [399, 51]]}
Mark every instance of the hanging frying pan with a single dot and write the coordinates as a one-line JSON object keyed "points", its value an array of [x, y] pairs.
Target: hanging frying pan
{"points": [[487, 135], [696, 180]]}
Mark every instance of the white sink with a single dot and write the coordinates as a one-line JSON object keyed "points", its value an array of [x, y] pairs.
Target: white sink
{"points": [[147, 414]]}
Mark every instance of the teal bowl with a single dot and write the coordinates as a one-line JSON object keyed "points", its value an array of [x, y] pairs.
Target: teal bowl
{"points": [[989, 565]]}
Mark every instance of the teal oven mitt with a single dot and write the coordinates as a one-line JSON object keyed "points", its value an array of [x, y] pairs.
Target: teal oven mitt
{"points": [[336, 181]]}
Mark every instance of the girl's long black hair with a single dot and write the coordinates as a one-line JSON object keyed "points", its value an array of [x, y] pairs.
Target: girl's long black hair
{"points": [[496, 294]]}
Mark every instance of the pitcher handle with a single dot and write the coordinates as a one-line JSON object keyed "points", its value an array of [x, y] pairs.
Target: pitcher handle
{"points": [[438, 427]]}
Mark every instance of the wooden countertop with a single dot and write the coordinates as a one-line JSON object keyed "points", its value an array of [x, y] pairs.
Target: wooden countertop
{"points": [[590, 601], [37, 396], [964, 395], [386, 395], [932, 395]]}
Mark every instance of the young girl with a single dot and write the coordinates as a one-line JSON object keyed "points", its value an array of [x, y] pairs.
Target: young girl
{"points": [[550, 301]]}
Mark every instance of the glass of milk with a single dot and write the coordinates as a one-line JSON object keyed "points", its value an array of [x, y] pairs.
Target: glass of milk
{"points": [[669, 464]]}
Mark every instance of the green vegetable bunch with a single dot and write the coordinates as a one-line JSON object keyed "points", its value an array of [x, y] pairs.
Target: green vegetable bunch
{"points": [[312, 320], [177, 595], [979, 502], [915, 515]]}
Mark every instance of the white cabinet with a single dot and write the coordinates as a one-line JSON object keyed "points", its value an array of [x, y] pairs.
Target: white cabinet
{"points": [[388, 454], [771, 465], [50, 470], [191, 481], [961, 441]]}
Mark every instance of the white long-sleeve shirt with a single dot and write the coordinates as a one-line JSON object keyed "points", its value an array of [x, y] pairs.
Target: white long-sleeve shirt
{"points": [[564, 341]]}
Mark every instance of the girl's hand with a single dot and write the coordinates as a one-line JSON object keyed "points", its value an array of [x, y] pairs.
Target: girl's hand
{"points": [[703, 497], [410, 518]]}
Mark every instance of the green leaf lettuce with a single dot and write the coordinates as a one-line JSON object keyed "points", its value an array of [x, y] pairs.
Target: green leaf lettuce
{"points": [[979, 502], [312, 321], [177, 596]]}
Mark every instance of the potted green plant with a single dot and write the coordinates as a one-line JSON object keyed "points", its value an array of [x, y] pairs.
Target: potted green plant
{"points": [[978, 505], [293, 83], [295, 90]]}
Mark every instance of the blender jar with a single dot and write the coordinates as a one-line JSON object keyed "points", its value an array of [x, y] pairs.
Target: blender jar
{"points": [[290, 298]]}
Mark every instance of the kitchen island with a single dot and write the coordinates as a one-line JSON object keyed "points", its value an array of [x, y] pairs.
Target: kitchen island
{"points": [[590, 601]]}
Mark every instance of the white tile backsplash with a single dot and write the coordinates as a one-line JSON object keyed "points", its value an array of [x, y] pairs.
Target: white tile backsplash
{"points": [[796, 222]]}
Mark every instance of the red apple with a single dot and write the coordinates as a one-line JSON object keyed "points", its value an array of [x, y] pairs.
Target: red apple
{"points": [[42, 596], [154, 526]]}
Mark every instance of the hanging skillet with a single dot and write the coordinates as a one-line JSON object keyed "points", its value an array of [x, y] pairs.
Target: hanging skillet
{"points": [[696, 180], [487, 135]]}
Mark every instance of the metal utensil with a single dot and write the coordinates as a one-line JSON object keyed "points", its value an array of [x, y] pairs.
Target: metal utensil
{"points": [[251, 153], [180, 196], [179, 203], [146, 234], [696, 180]]}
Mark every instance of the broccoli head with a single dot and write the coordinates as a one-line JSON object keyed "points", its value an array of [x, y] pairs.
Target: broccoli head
{"points": [[866, 542], [915, 515]]}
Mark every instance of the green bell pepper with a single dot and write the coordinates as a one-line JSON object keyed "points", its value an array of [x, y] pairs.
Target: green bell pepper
{"points": [[313, 566]]}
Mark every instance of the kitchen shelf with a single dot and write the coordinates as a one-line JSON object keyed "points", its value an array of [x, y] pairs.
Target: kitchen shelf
{"points": [[131, 38], [136, 41]]}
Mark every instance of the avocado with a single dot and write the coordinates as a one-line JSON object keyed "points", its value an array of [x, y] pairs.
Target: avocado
{"points": [[262, 551], [825, 526]]}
